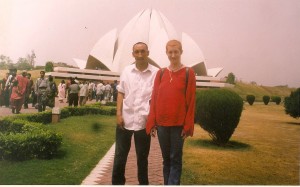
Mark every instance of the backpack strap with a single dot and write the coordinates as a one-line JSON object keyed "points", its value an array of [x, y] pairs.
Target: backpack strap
{"points": [[186, 77], [162, 72]]}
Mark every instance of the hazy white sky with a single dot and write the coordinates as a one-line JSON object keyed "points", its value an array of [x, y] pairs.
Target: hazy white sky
{"points": [[257, 40]]}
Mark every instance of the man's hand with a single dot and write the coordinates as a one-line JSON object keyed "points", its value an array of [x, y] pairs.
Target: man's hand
{"points": [[120, 121], [153, 132], [183, 134]]}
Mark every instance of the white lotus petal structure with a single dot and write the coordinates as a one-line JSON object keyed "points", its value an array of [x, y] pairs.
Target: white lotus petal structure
{"points": [[114, 50]]}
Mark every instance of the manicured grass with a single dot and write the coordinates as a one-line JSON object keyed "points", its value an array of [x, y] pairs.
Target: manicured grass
{"points": [[264, 150], [86, 139]]}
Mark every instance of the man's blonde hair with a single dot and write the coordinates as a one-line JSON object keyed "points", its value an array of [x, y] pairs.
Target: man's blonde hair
{"points": [[174, 43]]}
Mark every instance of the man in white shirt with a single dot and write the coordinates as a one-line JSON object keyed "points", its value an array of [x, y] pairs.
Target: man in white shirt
{"points": [[133, 105], [107, 92]]}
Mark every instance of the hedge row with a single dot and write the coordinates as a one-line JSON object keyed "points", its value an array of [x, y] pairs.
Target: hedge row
{"points": [[24, 136], [23, 140], [46, 116]]}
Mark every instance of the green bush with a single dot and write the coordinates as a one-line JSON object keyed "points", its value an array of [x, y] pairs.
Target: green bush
{"points": [[292, 104], [40, 117], [24, 137], [23, 140], [276, 99], [15, 125], [250, 99], [218, 112], [266, 99]]}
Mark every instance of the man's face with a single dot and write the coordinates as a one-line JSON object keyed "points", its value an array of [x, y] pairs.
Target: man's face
{"points": [[140, 52], [174, 53], [42, 74]]}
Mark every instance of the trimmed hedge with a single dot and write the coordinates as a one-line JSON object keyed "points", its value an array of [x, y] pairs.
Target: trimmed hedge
{"points": [[23, 140], [46, 116], [292, 104], [218, 112], [266, 99], [250, 99], [24, 136], [276, 99]]}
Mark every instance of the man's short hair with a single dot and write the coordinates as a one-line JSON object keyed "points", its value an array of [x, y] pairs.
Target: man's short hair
{"points": [[174, 43], [42, 71], [139, 43]]}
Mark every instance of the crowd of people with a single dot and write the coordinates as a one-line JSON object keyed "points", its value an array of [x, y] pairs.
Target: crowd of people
{"points": [[17, 91]]}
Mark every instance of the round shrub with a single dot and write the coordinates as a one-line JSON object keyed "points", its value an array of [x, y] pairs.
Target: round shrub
{"points": [[250, 99], [292, 104], [276, 99], [218, 112], [266, 99]]}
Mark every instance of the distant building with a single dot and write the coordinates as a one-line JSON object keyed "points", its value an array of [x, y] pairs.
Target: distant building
{"points": [[112, 52]]}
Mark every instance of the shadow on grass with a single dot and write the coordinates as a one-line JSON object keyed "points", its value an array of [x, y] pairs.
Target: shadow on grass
{"points": [[60, 154], [293, 123], [209, 144], [96, 127]]}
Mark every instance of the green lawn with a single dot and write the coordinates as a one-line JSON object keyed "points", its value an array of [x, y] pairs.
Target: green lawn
{"points": [[264, 150], [84, 144]]}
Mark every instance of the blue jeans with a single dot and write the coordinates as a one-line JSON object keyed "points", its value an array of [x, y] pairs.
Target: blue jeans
{"points": [[171, 144], [123, 143]]}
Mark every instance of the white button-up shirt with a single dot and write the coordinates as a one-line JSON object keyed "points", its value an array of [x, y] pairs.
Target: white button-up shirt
{"points": [[137, 88]]}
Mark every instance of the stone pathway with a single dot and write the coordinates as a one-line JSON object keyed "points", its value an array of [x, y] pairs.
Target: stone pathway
{"points": [[101, 174]]}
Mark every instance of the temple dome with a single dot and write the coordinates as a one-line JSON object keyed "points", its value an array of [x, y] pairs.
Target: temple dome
{"points": [[113, 51]]}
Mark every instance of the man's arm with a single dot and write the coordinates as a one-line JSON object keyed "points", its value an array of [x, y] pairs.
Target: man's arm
{"points": [[120, 120]]}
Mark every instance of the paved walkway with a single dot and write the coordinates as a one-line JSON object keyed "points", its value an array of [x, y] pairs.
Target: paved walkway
{"points": [[101, 174]]}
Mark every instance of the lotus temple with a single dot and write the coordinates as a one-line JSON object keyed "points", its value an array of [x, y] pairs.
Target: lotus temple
{"points": [[112, 52]]}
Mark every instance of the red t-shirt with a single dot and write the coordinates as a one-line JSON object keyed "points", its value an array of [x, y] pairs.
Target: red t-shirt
{"points": [[173, 101]]}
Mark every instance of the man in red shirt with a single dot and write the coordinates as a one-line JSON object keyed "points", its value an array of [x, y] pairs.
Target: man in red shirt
{"points": [[22, 84], [172, 111]]}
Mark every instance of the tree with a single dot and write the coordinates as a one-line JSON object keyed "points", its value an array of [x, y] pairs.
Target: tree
{"points": [[31, 58], [49, 66], [292, 104], [218, 111], [5, 62], [23, 64], [231, 78]]}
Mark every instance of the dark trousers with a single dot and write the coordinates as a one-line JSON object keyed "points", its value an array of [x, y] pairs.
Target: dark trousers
{"points": [[42, 100], [73, 99], [171, 144], [123, 143]]}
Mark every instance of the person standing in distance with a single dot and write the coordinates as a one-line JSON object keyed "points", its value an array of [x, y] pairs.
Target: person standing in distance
{"points": [[133, 105], [42, 88], [172, 111]]}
